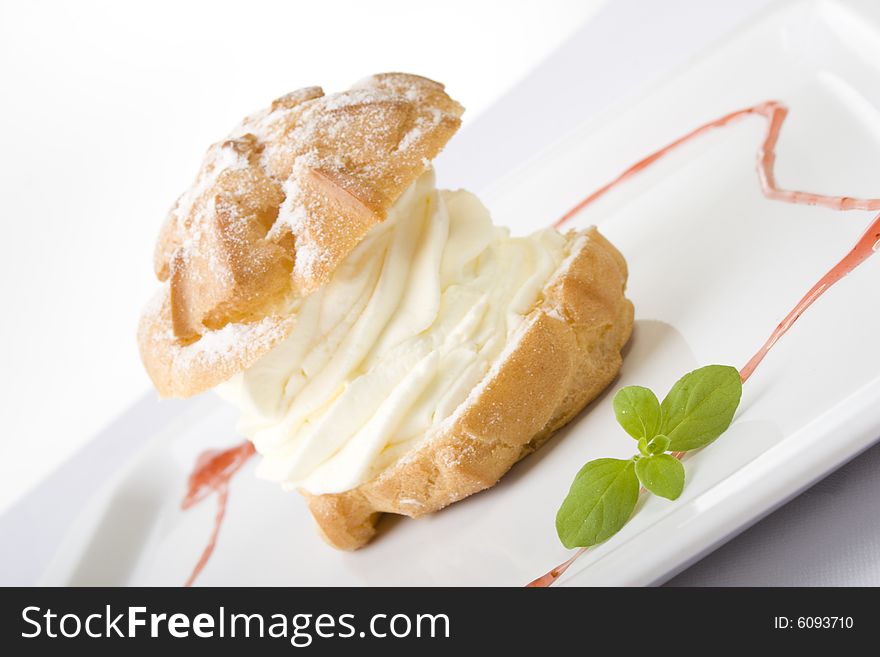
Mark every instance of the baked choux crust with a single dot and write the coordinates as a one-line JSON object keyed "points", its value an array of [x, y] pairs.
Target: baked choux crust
{"points": [[281, 203], [568, 350], [273, 211]]}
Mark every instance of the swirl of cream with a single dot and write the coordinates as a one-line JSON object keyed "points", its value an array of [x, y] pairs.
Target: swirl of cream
{"points": [[408, 325]]}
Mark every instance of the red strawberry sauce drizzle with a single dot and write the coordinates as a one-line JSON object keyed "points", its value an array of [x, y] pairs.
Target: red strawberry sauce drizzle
{"points": [[212, 474]]}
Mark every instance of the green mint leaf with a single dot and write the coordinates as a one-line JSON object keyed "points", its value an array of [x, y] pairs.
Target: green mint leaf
{"points": [[661, 474], [700, 407], [658, 445], [601, 500], [638, 411]]}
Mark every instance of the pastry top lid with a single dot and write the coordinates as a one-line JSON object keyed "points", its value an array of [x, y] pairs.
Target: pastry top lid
{"points": [[274, 209]]}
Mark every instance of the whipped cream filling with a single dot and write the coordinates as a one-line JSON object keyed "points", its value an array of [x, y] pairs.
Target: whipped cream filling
{"points": [[408, 325]]}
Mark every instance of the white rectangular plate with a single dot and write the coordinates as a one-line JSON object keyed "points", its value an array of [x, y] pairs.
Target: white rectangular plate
{"points": [[713, 267]]}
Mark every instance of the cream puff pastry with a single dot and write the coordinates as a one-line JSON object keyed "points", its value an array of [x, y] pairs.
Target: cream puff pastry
{"points": [[389, 348]]}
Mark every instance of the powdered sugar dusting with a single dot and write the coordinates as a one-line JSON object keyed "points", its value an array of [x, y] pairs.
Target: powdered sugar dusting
{"points": [[234, 342], [292, 214], [219, 158], [219, 344]]}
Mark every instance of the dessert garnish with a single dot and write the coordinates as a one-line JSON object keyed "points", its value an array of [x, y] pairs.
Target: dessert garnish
{"points": [[701, 405]]}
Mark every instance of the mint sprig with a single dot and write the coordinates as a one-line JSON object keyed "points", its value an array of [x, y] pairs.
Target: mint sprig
{"points": [[695, 412]]}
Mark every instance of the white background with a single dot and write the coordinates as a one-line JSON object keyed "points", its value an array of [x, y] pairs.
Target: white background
{"points": [[106, 109]]}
